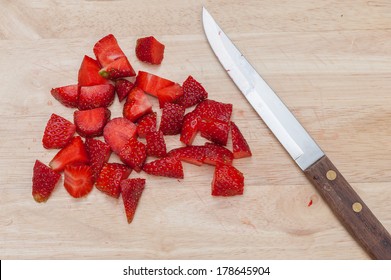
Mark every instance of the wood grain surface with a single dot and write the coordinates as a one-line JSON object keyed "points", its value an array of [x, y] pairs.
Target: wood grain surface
{"points": [[330, 62]]}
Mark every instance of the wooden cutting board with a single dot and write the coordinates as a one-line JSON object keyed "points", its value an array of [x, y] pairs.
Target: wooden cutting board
{"points": [[329, 61]]}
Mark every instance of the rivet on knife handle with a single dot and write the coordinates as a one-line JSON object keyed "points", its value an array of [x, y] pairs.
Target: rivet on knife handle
{"points": [[350, 209]]}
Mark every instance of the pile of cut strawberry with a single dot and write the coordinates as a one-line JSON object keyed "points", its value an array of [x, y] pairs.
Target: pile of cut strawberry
{"points": [[137, 138]]}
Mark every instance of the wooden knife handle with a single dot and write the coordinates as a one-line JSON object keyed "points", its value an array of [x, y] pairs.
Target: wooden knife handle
{"points": [[350, 209]]}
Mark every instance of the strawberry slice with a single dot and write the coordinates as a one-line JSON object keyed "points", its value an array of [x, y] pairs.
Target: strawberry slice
{"points": [[96, 96], [78, 179], [215, 154], [58, 132], [151, 83], [146, 124], [227, 181], [134, 154], [214, 110], [74, 152], [156, 146], [123, 87], [107, 50], [193, 93], [172, 119], [66, 95], [44, 181], [137, 105], [99, 153], [110, 178], [214, 130], [149, 50], [118, 132], [166, 166], [90, 123], [190, 127], [169, 94], [240, 148], [119, 68], [89, 73], [191, 154], [131, 190]]}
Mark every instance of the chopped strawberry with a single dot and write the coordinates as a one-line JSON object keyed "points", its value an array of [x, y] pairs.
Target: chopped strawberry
{"points": [[240, 148], [215, 154], [227, 181], [193, 93], [44, 181], [58, 132], [172, 119], [78, 179], [118, 132], [166, 166], [146, 124], [89, 73], [74, 152], [191, 154], [214, 130], [96, 96], [131, 190], [107, 50], [99, 153], [137, 105], [123, 87], [110, 178], [119, 68], [90, 123], [190, 127], [134, 154], [169, 94], [156, 146], [151, 83], [149, 50], [215, 110], [67, 95]]}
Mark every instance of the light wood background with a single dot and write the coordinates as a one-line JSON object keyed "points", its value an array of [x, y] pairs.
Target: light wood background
{"points": [[330, 61]]}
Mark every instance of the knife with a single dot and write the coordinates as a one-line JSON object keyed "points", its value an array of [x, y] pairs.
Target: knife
{"points": [[353, 213]]}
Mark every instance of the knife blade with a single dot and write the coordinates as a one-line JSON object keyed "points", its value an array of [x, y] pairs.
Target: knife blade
{"points": [[345, 203]]}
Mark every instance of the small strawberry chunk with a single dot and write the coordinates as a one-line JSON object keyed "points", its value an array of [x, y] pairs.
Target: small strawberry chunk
{"points": [[149, 50], [137, 105], [166, 166], [123, 87], [89, 73], [44, 181], [151, 83], [146, 124], [96, 96], [169, 94], [214, 130], [107, 50], [191, 154], [215, 154], [118, 132], [240, 147], [193, 93], [227, 181], [78, 179], [99, 153], [74, 152], [172, 119], [211, 109], [90, 123], [119, 68], [110, 178], [58, 132], [134, 154], [156, 146], [131, 190], [190, 127], [66, 95]]}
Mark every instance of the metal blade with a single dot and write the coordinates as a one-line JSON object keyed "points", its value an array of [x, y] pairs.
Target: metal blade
{"points": [[291, 134]]}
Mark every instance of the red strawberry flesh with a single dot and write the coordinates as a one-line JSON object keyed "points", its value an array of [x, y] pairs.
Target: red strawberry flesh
{"points": [[146, 124], [227, 181], [96, 96], [149, 50], [169, 94], [166, 166], [172, 119], [131, 190], [66, 95], [99, 153], [90, 123], [44, 181], [240, 147], [156, 145], [78, 179], [123, 87], [89, 73], [134, 154], [118, 132], [151, 83], [110, 178], [58, 132], [193, 93], [137, 105]]}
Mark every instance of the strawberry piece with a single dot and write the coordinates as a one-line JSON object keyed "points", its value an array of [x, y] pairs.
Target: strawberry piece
{"points": [[137, 105], [123, 87], [118, 132], [214, 110], [156, 146], [78, 179], [190, 127], [172, 119], [215, 154], [119, 68], [66, 95], [149, 50], [214, 130], [191, 154], [166, 166], [146, 124], [193, 93], [227, 181], [89, 73], [107, 50], [151, 83], [96, 96], [110, 178], [44, 181], [240, 147], [131, 190], [58, 132], [74, 152], [99, 153], [134, 154], [90, 123], [169, 94]]}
